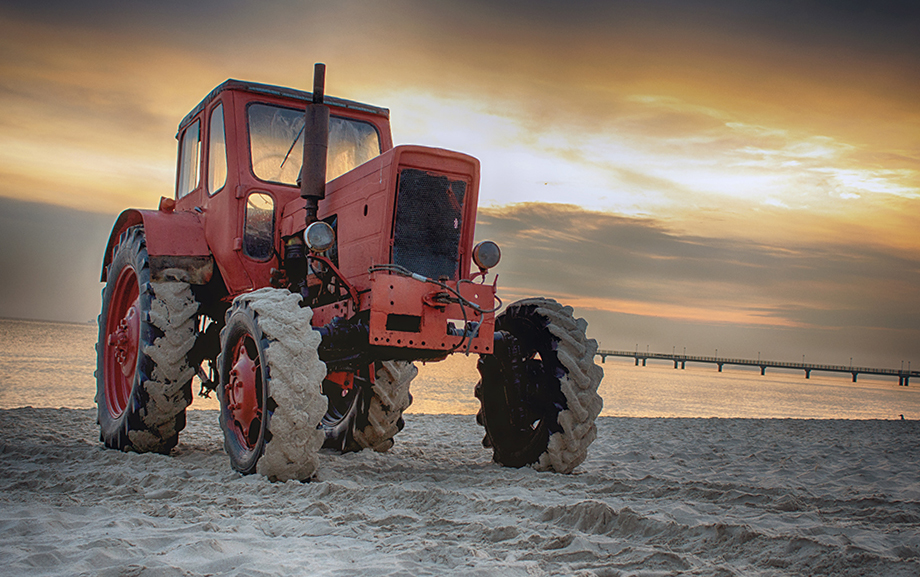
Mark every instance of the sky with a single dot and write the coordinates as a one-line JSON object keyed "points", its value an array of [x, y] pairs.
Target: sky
{"points": [[734, 175]]}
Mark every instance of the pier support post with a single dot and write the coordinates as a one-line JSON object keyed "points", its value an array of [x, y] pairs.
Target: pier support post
{"points": [[643, 362], [763, 370], [720, 367], [675, 363], [683, 364], [603, 359], [807, 373], [854, 377], [637, 361]]}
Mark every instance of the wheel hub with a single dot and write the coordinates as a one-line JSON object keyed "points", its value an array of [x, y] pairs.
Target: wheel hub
{"points": [[123, 327], [241, 391], [124, 339]]}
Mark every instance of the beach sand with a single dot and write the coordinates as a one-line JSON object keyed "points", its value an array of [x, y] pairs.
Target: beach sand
{"points": [[655, 497]]}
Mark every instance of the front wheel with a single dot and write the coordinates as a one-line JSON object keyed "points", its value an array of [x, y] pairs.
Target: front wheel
{"points": [[270, 392], [538, 391]]}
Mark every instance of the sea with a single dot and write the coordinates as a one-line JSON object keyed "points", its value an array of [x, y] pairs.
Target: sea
{"points": [[51, 365]]}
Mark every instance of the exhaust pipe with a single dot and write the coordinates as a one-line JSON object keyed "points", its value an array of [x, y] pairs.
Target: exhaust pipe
{"points": [[315, 145]]}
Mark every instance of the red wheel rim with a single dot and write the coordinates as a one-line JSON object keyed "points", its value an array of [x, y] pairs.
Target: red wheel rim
{"points": [[122, 330], [242, 391]]}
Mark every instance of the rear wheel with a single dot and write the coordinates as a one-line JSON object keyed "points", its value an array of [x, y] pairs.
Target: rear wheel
{"points": [[270, 386], [349, 396], [146, 330], [365, 415], [538, 391], [385, 411]]}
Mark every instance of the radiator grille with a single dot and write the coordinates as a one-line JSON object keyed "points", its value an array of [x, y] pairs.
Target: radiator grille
{"points": [[429, 220]]}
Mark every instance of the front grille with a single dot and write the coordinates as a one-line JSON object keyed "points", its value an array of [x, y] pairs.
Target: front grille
{"points": [[429, 220]]}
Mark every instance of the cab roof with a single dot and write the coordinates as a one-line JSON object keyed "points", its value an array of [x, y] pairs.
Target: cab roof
{"points": [[278, 91]]}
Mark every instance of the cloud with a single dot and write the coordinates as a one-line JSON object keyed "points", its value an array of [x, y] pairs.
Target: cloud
{"points": [[51, 261], [770, 149], [638, 108], [661, 157], [613, 265]]}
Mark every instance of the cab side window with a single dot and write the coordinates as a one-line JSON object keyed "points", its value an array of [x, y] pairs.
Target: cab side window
{"points": [[217, 151], [259, 229], [189, 159]]}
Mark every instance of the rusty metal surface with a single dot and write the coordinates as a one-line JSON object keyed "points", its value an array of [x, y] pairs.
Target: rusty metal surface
{"points": [[196, 270], [407, 297]]}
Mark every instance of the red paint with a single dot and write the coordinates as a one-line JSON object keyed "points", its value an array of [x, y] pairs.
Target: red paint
{"points": [[122, 327], [392, 294], [242, 391], [166, 234], [343, 380]]}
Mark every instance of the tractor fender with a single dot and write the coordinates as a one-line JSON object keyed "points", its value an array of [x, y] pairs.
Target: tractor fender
{"points": [[176, 244]]}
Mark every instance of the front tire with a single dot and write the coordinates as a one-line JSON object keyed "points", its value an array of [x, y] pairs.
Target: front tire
{"points": [[270, 391], [146, 330], [539, 396]]}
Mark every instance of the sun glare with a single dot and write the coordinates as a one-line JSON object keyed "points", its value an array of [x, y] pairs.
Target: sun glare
{"points": [[633, 165]]}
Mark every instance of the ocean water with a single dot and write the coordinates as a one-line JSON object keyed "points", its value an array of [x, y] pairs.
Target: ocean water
{"points": [[45, 364]]}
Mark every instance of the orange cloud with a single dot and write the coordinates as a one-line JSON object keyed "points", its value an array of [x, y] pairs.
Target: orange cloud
{"points": [[770, 149], [730, 313]]}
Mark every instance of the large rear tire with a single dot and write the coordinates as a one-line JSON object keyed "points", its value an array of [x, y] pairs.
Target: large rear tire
{"points": [[539, 397], [349, 397], [362, 415], [385, 412], [270, 393], [146, 330]]}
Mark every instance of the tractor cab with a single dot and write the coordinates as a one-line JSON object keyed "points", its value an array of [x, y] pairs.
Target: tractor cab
{"points": [[239, 162]]}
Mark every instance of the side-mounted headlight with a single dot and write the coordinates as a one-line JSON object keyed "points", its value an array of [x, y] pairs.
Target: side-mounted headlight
{"points": [[486, 254], [319, 236]]}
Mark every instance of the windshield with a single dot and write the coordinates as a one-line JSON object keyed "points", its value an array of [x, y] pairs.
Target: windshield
{"points": [[272, 130]]}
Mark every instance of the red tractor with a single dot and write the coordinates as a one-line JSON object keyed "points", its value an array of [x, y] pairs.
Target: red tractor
{"points": [[302, 267]]}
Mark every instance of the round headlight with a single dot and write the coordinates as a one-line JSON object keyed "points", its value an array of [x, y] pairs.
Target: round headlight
{"points": [[319, 236], [486, 254]]}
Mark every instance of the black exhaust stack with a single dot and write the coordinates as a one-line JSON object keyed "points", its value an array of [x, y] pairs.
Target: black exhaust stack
{"points": [[315, 144]]}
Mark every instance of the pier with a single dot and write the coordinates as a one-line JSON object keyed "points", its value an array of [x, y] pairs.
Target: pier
{"points": [[681, 360]]}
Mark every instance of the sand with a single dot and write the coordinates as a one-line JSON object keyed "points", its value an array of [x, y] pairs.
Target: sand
{"points": [[655, 497]]}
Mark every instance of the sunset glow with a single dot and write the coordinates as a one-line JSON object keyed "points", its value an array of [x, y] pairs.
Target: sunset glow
{"points": [[728, 164]]}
